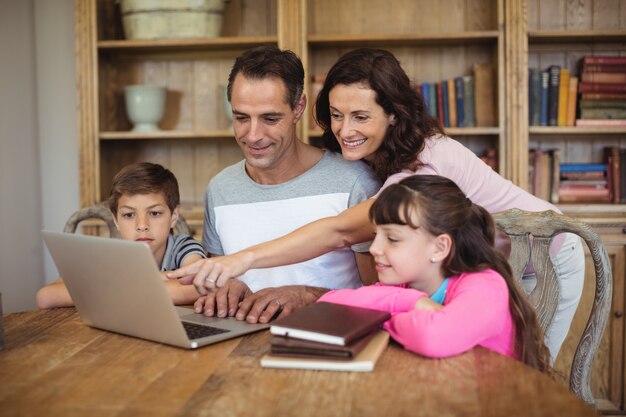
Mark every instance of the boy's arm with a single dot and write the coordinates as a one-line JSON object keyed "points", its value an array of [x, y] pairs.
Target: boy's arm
{"points": [[54, 295], [183, 294]]}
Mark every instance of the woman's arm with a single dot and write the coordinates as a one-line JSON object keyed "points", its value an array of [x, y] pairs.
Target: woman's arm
{"points": [[312, 240]]}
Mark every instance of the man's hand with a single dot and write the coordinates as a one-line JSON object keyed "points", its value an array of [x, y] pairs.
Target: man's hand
{"points": [[223, 302], [209, 274], [263, 305]]}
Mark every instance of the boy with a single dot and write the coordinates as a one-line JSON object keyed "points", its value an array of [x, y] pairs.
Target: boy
{"points": [[145, 202]]}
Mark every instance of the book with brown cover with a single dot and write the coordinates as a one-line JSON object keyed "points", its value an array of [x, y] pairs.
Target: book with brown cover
{"points": [[452, 103], [602, 87], [604, 59], [364, 361], [571, 100], [288, 346], [329, 323], [484, 95], [604, 77]]}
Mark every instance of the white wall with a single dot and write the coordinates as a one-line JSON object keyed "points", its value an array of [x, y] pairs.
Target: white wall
{"points": [[38, 146]]}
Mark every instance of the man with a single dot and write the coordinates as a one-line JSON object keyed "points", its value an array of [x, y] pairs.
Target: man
{"points": [[281, 184]]}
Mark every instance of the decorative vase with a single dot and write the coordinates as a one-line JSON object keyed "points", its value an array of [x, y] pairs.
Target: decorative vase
{"points": [[169, 19], [145, 105]]}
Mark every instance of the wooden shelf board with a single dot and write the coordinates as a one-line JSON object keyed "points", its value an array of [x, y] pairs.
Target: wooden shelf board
{"points": [[576, 36], [167, 134], [576, 130], [456, 131], [188, 44], [403, 39]]}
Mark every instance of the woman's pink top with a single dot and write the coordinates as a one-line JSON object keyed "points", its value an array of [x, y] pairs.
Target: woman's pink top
{"points": [[475, 312]]}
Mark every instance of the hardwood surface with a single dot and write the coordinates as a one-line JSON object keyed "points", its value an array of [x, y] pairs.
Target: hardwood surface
{"points": [[54, 365]]}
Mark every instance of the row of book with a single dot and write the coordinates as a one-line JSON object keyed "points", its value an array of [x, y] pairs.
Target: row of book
{"points": [[578, 183], [597, 97], [464, 101]]}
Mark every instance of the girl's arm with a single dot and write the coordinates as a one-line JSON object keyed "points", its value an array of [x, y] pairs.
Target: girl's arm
{"points": [[377, 296], [312, 240], [478, 310]]}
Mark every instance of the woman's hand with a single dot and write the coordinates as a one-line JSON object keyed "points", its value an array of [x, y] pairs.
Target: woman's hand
{"points": [[212, 273]]}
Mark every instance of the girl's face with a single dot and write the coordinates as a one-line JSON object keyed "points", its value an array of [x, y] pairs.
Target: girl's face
{"points": [[357, 121], [146, 218], [404, 255]]}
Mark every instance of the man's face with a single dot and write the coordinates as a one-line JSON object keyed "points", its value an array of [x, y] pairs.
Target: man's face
{"points": [[264, 124]]}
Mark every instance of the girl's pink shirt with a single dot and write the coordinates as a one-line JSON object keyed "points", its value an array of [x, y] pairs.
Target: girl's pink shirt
{"points": [[448, 158], [475, 313]]}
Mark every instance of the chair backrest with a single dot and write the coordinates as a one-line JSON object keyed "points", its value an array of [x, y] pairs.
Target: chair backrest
{"points": [[101, 211], [543, 226]]}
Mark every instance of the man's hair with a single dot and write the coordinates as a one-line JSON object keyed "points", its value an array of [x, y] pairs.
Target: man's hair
{"points": [[268, 61], [144, 178]]}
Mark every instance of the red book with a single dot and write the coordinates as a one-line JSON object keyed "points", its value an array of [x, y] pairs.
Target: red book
{"points": [[603, 96], [604, 77], [614, 60], [603, 68], [586, 87]]}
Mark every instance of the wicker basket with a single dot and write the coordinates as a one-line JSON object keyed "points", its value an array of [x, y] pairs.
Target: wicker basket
{"points": [[167, 19]]}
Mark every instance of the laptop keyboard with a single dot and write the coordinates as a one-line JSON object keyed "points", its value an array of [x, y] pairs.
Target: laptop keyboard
{"points": [[197, 331]]}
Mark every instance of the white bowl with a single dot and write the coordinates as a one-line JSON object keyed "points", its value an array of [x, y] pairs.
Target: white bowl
{"points": [[145, 105]]}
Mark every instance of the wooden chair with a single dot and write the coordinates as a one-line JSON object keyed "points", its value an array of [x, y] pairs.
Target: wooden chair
{"points": [[101, 211], [543, 226]]}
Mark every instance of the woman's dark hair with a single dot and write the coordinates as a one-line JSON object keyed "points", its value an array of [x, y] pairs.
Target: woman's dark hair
{"points": [[440, 207], [269, 61], [381, 71]]}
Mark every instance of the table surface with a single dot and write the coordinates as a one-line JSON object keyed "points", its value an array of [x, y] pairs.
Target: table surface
{"points": [[54, 365]]}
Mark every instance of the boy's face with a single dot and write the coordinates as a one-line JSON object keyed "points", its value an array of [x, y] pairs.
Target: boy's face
{"points": [[146, 218]]}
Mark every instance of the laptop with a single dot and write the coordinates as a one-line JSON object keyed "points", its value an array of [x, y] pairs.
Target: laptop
{"points": [[115, 285]]}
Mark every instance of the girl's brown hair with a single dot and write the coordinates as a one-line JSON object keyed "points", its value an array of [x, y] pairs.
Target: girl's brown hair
{"points": [[381, 71], [442, 208]]}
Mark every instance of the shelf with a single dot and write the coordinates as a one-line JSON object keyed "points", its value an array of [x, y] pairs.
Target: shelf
{"points": [[453, 131], [167, 134], [577, 130], [576, 36], [486, 36], [222, 43]]}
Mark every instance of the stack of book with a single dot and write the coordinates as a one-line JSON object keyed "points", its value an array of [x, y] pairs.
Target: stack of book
{"points": [[464, 101], [552, 97], [584, 183], [328, 336], [603, 91]]}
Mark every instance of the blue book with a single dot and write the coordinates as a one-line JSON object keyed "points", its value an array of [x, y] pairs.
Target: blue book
{"points": [[424, 88], [460, 101], [446, 110], [543, 99], [582, 167], [432, 99], [534, 96]]}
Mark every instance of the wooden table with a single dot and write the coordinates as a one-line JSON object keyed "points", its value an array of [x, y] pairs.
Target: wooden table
{"points": [[54, 365]]}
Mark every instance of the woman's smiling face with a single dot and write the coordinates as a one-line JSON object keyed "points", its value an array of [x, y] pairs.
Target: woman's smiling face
{"points": [[357, 121]]}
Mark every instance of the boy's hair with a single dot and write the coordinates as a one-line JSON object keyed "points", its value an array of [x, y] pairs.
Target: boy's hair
{"points": [[381, 71], [441, 207], [144, 178], [268, 61]]}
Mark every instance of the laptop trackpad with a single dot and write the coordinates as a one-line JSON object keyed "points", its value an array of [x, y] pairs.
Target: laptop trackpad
{"points": [[229, 323]]}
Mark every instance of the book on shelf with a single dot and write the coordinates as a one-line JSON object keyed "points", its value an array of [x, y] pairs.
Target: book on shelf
{"points": [[563, 97], [604, 77], [604, 68], [432, 99], [440, 114], [446, 105], [484, 94], [584, 195], [423, 88], [545, 174], [329, 323], [534, 96], [586, 87], [364, 361], [571, 100], [610, 103], [622, 174], [469, 107], [585, 183], [602, 59], [460, 101], [613, 181], [603, 96], [553, 95], [545, 98], [452, 104], [573, 167], [603, 113], [600, 122]]}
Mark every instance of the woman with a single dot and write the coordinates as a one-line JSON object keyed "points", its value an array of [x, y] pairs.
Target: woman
{"points": [[370, 108]]}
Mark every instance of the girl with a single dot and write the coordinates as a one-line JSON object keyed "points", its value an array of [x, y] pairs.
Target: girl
{"points": [[369, 107], [447, 287]]}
